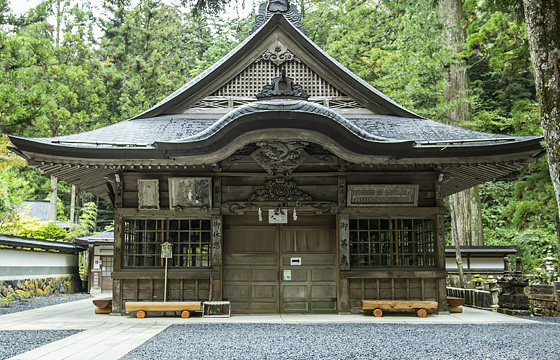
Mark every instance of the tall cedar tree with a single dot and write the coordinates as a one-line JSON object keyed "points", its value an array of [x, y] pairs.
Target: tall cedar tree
{"points": [[543, 27]]}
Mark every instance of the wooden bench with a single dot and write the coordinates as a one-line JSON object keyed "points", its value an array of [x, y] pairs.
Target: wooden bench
{"points": [[419, 306], [184, 306]]}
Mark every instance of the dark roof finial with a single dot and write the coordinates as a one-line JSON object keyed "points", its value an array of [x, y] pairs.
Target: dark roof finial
{"points": [[271, 7], [278, 5]]}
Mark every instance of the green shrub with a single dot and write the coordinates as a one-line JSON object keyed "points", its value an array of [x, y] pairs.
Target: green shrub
{"points": [[532, 244]]}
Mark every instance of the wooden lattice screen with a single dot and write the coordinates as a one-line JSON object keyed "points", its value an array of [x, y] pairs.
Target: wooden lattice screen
{"points": [[251, 81], [244, 87]]}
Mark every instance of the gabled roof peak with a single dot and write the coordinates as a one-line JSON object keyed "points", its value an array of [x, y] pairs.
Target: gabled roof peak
{"points": [[269, 8]]}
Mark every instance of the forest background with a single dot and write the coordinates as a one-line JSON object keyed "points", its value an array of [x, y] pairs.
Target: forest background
{"points": [[69, 67]]}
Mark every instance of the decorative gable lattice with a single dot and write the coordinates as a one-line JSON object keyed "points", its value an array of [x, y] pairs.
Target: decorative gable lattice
{"points": [[251, 81], [245, 86]]}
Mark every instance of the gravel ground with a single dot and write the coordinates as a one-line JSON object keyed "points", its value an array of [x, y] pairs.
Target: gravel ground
{"points": [[352, 341], [41, 301], [17, 342], [543, 319]]}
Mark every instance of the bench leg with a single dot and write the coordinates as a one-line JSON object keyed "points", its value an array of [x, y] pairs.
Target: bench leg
{"points": [[185, 314], [378, 313], [421, 313], [141, 314]]}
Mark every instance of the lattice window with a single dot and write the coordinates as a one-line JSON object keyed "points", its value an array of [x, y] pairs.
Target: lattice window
{"points": [[190, 240], [392, 242], [106, 265], [251, 81]]}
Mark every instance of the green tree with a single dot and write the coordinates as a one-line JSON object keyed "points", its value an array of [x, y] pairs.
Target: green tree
{"points": [[148, 51], [544, 39], [24, 226], [86, 225], [395, 46]]}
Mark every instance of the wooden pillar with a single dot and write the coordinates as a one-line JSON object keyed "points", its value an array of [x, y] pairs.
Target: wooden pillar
{"points": [[117, 264], [119, 190], [343, 242], [440, 259], [217, 245], [118, 245], [52, 212], [343, 261], [344, 296], [217, 195], [73, 204], [342, 191], [117, 297]]}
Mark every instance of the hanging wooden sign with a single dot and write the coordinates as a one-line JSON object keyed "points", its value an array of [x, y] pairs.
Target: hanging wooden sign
{"points": [[383, 195]]}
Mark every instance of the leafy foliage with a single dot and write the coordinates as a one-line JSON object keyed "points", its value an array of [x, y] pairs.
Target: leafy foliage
{"points": [[86, 225], [24, 226], [522, 213], [532, 245], [396, 46]]}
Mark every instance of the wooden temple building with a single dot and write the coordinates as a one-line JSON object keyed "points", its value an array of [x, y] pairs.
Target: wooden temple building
{"points": [[293, 183]]}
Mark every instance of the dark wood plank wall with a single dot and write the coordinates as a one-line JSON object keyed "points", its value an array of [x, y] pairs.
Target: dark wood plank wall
{"points": [[237, 183], [321, 188]]}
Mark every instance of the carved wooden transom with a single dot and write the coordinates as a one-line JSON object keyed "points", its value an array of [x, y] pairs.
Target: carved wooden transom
{"points": [[280, 157], [280, 190]]}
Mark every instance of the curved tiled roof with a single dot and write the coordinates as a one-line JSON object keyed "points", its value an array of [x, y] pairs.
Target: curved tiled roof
{"points": [[147, 132], [283, 105]]}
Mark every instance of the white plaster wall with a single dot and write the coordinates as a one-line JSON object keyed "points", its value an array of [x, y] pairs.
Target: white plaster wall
{"points": [[35, 264], [477, 263], [487, 263]]}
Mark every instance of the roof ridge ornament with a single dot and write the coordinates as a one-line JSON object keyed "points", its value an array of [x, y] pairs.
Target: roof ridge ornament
{"points": [[282, 87], [271, 7]]}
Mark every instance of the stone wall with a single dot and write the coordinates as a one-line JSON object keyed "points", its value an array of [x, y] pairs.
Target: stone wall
{"points": [[14, 290], [543, 299]]}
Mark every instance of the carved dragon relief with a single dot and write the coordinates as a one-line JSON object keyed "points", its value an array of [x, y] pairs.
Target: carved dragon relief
{"points": [[280, 190], [278, 157]]}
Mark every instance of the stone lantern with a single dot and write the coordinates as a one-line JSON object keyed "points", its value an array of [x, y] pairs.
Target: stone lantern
{"points": [[512, 299]]}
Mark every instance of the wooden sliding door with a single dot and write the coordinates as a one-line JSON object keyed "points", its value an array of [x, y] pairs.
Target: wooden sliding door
{"points": [[280, 268]]}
